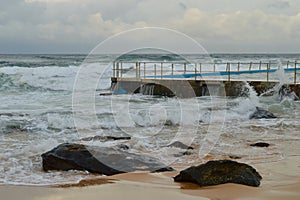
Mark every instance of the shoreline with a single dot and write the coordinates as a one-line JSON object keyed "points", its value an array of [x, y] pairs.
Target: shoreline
{"points": [[280, 181]]}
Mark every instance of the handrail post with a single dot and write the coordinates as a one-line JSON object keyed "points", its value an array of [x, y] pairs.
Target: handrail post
{"points": [[117, 70], [260, 65], [195, 71], [139, 70], [172, 70], [214, 67], [228, 71], [295, 73], [184, 68], [250, 66], [287, 64], [136, 70], [161, 70], [268, 67], [155, 71], [144, 70], [114, 69], [239, 65], [121, 70], [200, 67]]}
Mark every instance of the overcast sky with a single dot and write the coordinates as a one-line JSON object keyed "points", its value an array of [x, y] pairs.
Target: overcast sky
{"points": [[77, 26]]}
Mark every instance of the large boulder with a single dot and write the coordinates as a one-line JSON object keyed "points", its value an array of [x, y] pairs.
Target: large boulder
{"points": [[261, 113], [220, 172], [102, 160]]}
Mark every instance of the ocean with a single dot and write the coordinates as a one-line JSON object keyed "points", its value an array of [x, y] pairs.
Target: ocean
{"points": [[37, 114]]}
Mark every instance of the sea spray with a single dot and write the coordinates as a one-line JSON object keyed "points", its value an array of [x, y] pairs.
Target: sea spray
{"points": [[246, 103], [283, 79], [282, 90]]}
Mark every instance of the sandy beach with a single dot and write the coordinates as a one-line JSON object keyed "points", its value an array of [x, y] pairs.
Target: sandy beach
{"points": [[280, 181], [97, 95]]}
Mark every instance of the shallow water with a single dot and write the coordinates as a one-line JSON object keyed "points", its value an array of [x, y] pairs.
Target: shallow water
{"points": [[36, 115]]}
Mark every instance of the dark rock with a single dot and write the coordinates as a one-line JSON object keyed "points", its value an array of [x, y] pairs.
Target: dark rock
{"points": [[164, 169], [123, 146], [187, 153], [6, 114], [220, 172], [102, 160], [180, 145], [261, 113], [260, 144], [14, 126], [12, 115], [234, 156], [105, 138], [286, 92], [170, 123], [282, 91], [106, 94]]}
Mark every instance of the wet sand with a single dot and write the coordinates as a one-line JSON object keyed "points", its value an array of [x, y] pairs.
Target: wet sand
{"points": [[281, 180]]}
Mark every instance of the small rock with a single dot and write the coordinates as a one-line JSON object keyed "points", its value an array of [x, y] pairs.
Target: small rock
{"points": [[220, 172], [123, 146], [106, 94], [180, 145], [105, 138], [261, 113], [260, 144], [234, 156], [170, 123], [187, 153]]}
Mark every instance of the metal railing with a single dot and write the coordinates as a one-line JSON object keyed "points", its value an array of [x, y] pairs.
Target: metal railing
{"points": [[201, 71]]}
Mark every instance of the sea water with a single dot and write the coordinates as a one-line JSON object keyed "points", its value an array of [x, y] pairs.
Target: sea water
{"points": [[37, 114]]}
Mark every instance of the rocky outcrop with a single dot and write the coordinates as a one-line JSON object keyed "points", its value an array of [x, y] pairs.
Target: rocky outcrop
{"points": [[102, 160], [262, 114], [286, 92], [220, 172]]}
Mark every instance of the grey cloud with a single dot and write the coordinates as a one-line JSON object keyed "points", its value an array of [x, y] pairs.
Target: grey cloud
{"points": [[19, 11], [279, 4], [182, 5], [76, 25]]}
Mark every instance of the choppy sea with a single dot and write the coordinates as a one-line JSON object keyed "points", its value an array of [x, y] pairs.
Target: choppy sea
{"points": [[37, 104]]}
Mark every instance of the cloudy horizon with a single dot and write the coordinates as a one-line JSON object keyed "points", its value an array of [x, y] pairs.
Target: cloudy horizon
{"points": [[221, 26]]}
